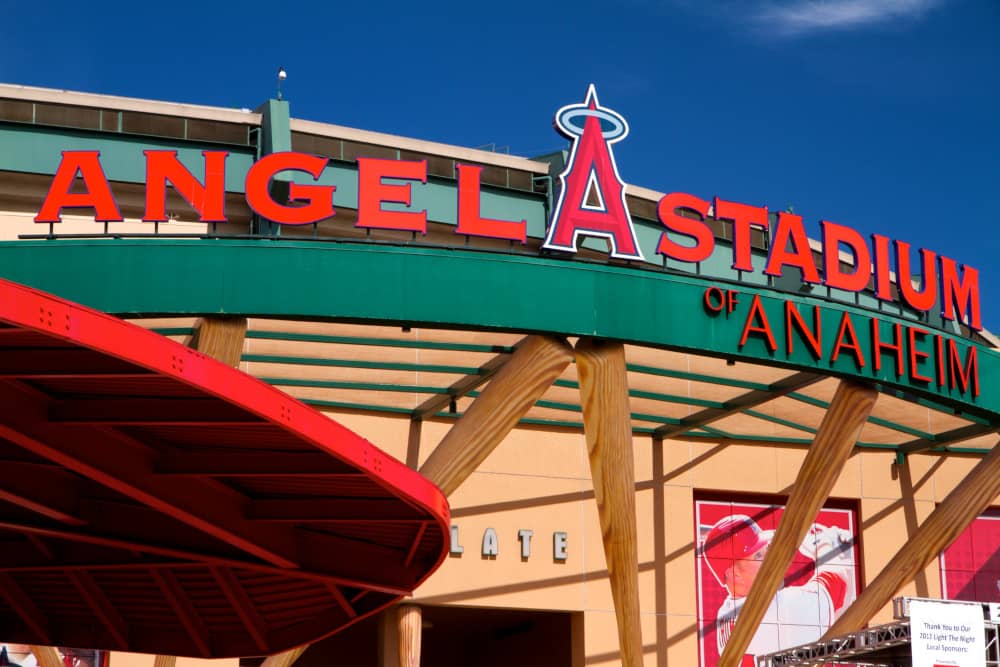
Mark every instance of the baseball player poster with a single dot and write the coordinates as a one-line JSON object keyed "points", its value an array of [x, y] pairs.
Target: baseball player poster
{"points": [[970, 567], [20, 655], [732, 539]]}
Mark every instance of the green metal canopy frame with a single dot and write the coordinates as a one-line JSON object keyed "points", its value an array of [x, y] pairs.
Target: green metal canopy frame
{"points": [[413, 285]]}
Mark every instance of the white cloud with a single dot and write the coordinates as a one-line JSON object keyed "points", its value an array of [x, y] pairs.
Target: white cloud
{"points": [[797, 17]]}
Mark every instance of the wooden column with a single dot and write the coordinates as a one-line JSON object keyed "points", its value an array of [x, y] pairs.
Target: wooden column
{"points": [[967, 501], [410, 625], [221, 338], [47, 656], [829, 452], [608, 429], [532, 369]]}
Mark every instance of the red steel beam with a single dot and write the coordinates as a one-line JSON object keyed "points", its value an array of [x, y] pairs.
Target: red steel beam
{"points": [[24, 606], [283, 463], [55, 362], [103, 609], [43, 489], [242, 605], [151, 411], [120, 466], [333, 510], [338, 595], [186, 612], [415, 545]]}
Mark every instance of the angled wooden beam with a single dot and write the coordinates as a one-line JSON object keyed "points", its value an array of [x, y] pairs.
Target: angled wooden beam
{"points": [[242, 605], [103, 609], [742, 402], [221, 338], [822, 465], [533, 367], [285, 658], [969, 499], [24, 606], [462, 386], [608, 430], [186, 613], [47, 656], [410, 627]]}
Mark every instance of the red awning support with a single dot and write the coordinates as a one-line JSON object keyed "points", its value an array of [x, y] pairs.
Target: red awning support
{"points": [[174, 496]]}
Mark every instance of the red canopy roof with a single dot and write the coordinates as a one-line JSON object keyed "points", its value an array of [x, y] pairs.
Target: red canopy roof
{"points": [[153, 499]]}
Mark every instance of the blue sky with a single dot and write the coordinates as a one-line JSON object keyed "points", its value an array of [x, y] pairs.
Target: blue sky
{"points": [[879, 114]]}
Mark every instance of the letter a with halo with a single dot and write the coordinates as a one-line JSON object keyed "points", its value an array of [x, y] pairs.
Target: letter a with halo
{"points": [[591, 168]]}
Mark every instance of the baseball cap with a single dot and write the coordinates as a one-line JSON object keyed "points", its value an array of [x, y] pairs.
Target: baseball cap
{"points": [[734, 537]]}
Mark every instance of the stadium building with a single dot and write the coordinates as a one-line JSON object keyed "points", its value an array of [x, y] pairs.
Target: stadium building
{"points": [[653, 415]]}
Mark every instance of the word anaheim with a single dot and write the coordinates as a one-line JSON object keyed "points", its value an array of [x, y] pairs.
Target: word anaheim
{"points": [[590, 174]]}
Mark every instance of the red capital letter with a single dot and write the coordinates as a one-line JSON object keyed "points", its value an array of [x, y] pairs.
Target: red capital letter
{"points": [[833, 236], [469, 221], [927, 296], [790, 229], [208, 199], [372, 192], [704, 239], [98, 192], [318, 198], [963, 293], [744, 218]]}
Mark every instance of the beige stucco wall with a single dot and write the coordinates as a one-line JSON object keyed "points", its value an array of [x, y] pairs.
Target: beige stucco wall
{"points": [[120, 659], [540, 480], [16, 223]]}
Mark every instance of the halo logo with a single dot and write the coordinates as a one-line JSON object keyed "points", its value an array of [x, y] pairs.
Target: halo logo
{"points": [[592, 196]]}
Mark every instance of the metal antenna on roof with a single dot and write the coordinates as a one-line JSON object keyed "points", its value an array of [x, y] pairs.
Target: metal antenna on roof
{"points": [[282, 75]]}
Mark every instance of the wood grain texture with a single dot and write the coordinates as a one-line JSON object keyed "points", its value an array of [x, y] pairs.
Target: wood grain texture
{"points": [[533, 367], [285, 658], [410, 626], [608, 430], [47, 656], [165, 661], [221, 338], [837, 434], [967, 501]]}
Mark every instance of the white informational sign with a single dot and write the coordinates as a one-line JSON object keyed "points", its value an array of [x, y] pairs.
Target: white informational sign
{"points": [[947, 634]]}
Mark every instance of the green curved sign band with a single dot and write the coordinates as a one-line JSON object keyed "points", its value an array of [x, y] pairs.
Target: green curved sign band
{"points": [[443, 287]]}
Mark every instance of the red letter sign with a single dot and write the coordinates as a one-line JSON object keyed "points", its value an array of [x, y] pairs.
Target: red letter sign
{"points": [[98, 195], [372, 192], [744, 218], [469, 221], [208, 199], [591, 169], [833, 236], [790, 229], [963, 293], [704, 239], [318, 198]]}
